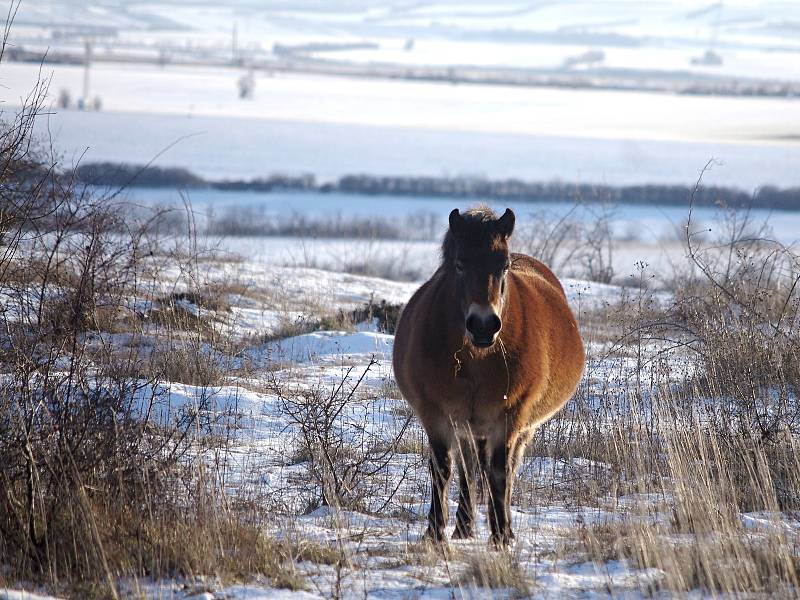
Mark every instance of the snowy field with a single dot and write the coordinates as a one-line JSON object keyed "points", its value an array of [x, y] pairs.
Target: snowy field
{"points": [[190, 117], [243, 148], [382, 544], [383, 556], [629, 222], [557, 513], [188, 91], [639, 234]]}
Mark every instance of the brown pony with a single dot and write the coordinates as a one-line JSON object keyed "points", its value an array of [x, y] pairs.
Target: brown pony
{"points": [[485, 351]]}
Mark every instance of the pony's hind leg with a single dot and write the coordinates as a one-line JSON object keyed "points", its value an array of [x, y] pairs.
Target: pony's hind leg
{"points": [[467, 466], [441, 468], [515, 462]]}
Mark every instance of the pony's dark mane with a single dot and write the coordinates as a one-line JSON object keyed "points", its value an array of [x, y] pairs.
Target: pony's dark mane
{"points": [[473, 216]]}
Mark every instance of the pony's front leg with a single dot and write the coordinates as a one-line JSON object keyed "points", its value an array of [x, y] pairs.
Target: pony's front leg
{"points": [[499, 477], [467, 465], [441, 468]]}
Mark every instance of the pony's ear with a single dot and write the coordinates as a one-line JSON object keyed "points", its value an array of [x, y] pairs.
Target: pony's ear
{"points": [[505, 224], [456, 221]]}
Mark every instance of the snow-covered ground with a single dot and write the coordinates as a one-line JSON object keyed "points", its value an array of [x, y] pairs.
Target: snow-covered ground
{"points": [[382, 551], [243, 148], [379, 545], [480, 108], [304, 123]]}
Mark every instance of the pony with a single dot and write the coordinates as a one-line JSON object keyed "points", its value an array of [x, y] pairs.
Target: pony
{"points": [[485, 351]]}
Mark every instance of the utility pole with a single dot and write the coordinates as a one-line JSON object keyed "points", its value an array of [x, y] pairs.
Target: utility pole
{"points": [[234, 43], [84, 103]]}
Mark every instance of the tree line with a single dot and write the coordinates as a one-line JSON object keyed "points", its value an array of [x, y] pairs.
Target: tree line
{"points": [[124, 175]]}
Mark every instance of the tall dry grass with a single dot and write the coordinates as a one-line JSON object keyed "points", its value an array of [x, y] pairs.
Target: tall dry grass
{"points": [[103, 478], [689, 412]]}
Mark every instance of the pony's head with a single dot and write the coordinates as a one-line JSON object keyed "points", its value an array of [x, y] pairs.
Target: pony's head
{"points": [[475, 250]]}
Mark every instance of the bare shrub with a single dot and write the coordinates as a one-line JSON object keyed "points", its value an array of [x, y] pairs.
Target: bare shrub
{"points": [[689, 411], [384, 314], [582, 236], [292, 327], [104, 476], [244, 221], [347, 456], [742, 311]]}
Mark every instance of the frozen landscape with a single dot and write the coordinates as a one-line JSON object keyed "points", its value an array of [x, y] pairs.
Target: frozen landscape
{"points": [[284, 350], [196, 390]]}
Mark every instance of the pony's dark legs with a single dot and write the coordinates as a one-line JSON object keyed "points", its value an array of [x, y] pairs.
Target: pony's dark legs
{"points": [[441, 467], [500, 466], [467, 466], [499, 476]]}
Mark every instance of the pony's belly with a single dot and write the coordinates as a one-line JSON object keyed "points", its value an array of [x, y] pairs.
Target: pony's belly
{"points": [[477, 414]]}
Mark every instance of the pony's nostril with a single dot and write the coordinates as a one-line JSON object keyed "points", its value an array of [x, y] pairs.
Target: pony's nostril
{"points": [[483, 328], [471, 324], [494, 324]]}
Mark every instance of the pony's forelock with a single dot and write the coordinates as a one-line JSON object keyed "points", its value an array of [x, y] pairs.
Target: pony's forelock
{"points": [[472, 216]]}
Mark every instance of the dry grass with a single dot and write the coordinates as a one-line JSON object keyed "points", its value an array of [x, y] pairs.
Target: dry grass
{"points": [[487, 570], [690, 409]]}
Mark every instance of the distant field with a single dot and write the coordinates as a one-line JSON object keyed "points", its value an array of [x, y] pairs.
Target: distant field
{"points": [[247, 147], [476, 108], [645, 223], [639, 234]]}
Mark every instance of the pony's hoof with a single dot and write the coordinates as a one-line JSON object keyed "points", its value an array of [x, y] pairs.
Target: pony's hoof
{"points": [[501, 541], [463, 533]]}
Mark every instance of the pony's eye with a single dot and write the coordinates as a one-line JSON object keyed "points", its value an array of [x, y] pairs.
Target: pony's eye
{"points": [[459, 266]]}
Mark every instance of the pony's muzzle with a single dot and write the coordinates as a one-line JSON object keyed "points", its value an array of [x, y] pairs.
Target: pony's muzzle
{"points": [[482, 324]]}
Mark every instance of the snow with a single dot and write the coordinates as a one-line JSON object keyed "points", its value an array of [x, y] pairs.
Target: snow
{"points": [[591, 575], [389, 127], [772, 522], [282, 298], [220, 147], [247, 592], [657, 36], [331, 346], [8, 594], [425, 218]]}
